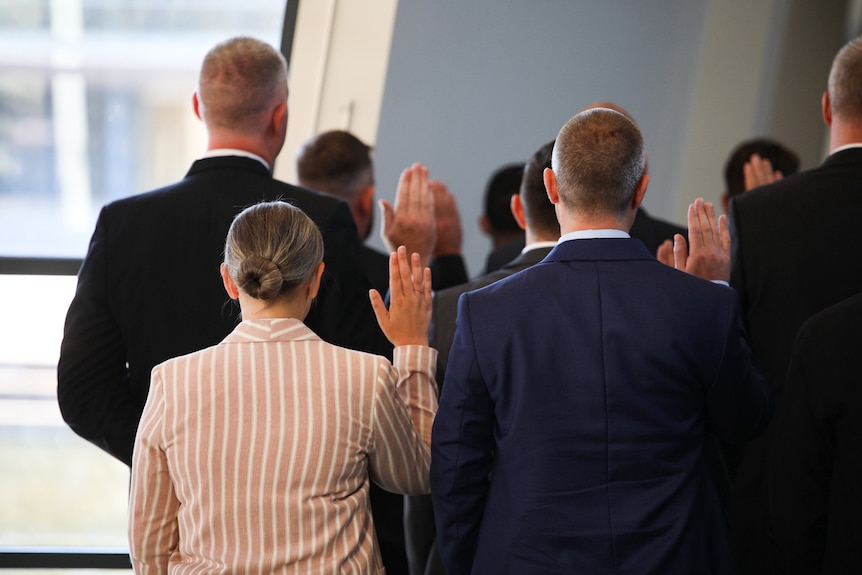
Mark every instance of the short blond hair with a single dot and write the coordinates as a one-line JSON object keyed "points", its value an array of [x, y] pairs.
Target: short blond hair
{"points": [[845, 81], [239, 80]]}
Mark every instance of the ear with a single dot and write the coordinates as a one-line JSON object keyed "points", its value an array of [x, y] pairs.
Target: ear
{"points": [[279, 118], [196, 105], [725, 202], [485, 225], [640, 191], [365, 201], [517, 208], [314, 282], [229, 285], [550, 179], [826, 105]]}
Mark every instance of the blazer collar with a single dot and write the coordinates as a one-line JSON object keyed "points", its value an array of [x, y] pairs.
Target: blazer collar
{"points": [[600, 249], [276, 329], [846, 156], [527, 259], [228, 162]]}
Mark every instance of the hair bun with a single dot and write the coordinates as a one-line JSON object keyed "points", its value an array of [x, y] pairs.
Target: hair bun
{"points": [[259, 277]]}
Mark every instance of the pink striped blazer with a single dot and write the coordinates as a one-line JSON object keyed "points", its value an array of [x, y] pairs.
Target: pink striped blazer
{"points": [[254, 455]]}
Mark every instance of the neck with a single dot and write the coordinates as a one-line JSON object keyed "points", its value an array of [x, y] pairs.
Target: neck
{"points": [[844, 132], [221, 139], [285, 307], [575, 223]]}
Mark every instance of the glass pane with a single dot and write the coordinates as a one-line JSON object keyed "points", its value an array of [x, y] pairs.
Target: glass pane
{"points": [[95, 105]]}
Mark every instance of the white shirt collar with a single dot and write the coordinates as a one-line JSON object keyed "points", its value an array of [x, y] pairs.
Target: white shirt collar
{"points": [[537, 245], [593, 234], [846, 147], [234, 152]]}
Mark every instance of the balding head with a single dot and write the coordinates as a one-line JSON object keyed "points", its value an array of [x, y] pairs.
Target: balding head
{"points": [[598, 162], [241, 80], [845, 82]]}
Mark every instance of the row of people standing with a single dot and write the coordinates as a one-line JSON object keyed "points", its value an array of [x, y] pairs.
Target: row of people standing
{"points": [[116, 331]]}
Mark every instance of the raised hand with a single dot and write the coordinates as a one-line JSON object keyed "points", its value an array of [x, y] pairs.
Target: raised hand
{"points": [[758, 172], [706, 254], [411, 222], [409, 314], [448, 220]]}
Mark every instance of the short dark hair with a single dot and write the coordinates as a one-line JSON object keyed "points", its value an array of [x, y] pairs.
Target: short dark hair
{"points": [[504, 183], [336, 163], [598, 161], [781, 158], [539, 212]]}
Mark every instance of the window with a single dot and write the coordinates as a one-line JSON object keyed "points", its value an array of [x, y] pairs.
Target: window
{"points": [[95, 104]]}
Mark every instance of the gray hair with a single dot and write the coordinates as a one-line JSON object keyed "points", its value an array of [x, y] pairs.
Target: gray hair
{"points": [[239, 80], [845, 81]]}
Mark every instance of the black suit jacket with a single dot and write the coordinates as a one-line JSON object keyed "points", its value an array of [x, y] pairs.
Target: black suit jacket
{"points": [[816, 468], [149, 289], [653, 231], [795, 244]]}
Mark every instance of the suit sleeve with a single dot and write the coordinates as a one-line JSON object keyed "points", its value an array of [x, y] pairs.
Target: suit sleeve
{"points": [[404, 407], [461, 451], [739, 402], [93, 387], [153, 506], [343, 314], [448, 271], [799, 473]]}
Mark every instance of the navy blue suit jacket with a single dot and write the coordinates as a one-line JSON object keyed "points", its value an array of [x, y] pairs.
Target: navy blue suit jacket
{"points": [[569, 437]]}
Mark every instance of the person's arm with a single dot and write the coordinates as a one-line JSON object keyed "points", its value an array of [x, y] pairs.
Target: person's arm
{"points": [[404, 407], [447, 264], [93, 388], [406, 395], [461, 451], [153, 506], [738, 401], [800, 471]]}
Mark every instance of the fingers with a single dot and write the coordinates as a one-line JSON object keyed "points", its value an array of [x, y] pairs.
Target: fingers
{"points": [[758, 172], [664, 254], [695, 231], [724, 233], [379, 307], [680, 252]]}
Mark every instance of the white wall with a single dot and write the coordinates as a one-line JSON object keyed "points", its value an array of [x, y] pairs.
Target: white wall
{"points": [[465, 87]]}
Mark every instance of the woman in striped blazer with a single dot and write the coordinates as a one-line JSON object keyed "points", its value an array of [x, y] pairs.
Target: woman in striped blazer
{"points": [[255, 455]]}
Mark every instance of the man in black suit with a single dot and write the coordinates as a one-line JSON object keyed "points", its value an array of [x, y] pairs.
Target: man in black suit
{"points": [[535, 214], [149, 288], [792, 244], [339, 164], [815, 467]]}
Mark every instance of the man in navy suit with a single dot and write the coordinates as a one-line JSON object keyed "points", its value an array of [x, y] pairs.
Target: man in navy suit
{"points": [[579, 392]]}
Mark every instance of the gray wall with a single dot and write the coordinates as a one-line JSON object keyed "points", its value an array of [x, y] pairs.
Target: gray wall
{"points": [[477, 84]]}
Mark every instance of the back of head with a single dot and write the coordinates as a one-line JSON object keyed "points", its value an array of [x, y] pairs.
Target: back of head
{"points": [[504, 183], [539, 212], [336, 163], [271, 249], [781, 158], [239, 81], [845, 82], [598, 160]]}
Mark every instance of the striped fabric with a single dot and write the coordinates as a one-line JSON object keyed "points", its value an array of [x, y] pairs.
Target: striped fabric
{"points": [[254, 456]]}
